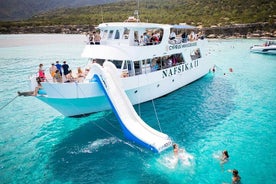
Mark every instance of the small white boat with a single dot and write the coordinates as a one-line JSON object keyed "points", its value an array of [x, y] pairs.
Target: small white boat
{"points": [[147, 69], [269, 47]]}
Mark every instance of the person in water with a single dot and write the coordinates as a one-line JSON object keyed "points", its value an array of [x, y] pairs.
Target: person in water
{"points": [[175, 149], [236, 179], [225, 157]]}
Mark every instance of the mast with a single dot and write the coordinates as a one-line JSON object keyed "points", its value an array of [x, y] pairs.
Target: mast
{"points": [[136, 12]]}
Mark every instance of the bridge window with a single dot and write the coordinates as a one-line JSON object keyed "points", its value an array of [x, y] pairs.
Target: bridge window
{"points": [[117, 34], [104, 34], [110, 35], [126, 33]]}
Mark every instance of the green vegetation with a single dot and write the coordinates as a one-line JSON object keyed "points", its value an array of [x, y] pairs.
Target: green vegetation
{"points": [[194, 12]]}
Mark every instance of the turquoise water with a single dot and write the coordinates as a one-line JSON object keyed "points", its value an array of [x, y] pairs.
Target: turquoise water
{"points": [[235, 111]]}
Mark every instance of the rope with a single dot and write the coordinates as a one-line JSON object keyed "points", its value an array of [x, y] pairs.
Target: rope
{"points": [[9, 102], [155, 112], [156, 115]]}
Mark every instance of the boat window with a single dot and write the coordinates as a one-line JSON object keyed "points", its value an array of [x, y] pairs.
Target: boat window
{"points": [[99, 61], [151, 36], [117, 63], [195, 54], [117, 34], [125, 65], [148, 61], [104, 34], [137, 66], [136, 37], [110, 35], [169, 60], [126, 33]]}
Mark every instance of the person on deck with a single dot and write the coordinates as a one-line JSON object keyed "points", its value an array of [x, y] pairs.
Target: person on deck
{"points": [[172, 35], [97, 38], [41, 73], [65, 68], [57, 76], [39, 86], [59, 67]]}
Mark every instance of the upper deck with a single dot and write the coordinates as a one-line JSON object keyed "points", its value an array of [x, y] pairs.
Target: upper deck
{"points": [[137, 40]]}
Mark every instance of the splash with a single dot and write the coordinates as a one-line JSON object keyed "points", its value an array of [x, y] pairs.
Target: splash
{"points": [[95, 145], [182, 160]]}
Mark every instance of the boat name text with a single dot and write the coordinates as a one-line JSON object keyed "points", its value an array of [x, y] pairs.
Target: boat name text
{"points": [[179, 69], [179, 46]]}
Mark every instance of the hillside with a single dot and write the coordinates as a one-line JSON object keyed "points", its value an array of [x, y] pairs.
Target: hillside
{"points": [[19, 9], [194, 12], [244, 15]]}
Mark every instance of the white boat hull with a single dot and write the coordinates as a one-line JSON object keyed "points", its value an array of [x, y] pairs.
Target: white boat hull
{"points": [[263, 49], [86, 98]]}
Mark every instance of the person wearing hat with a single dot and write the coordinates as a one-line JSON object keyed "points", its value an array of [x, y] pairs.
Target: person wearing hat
{"points": [[41, 73]]}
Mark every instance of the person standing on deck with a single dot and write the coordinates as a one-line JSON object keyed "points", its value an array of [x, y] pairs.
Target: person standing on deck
{"points": [[59, 67], [52, 70], [65, 68], [97, 38]]}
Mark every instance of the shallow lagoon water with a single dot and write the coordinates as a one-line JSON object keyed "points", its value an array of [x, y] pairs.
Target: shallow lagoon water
{"points": [[223, 110]]}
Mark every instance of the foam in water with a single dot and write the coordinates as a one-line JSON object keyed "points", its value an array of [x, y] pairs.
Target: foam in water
{"points": [[182, 160], [96, 145]]}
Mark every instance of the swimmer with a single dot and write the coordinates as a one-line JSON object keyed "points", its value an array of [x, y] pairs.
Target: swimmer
{"points": [[225, 157], [175, 149], [236, 179]]}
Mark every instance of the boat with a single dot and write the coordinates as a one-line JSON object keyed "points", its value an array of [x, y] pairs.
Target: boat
{"points": [[147, 70], [269, 47]]}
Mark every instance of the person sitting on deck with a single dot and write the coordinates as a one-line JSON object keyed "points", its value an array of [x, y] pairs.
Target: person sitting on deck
{"points": [[57, 76], [172, 35], [39, 86], [69, 77]]}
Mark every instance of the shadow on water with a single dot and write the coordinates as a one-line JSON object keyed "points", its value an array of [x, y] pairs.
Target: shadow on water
{"points": [[97, 151]]}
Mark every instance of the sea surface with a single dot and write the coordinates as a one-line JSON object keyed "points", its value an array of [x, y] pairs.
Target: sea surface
{"points": [[232, 109]]}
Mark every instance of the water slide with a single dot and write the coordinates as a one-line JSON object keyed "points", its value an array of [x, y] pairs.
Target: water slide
{"points": [[133, 126]]}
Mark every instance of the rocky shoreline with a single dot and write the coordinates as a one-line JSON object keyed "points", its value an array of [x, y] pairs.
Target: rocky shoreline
{"points": [[253, 30]]}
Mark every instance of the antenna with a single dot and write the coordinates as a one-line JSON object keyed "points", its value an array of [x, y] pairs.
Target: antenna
{"points": [[102, 13]]}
